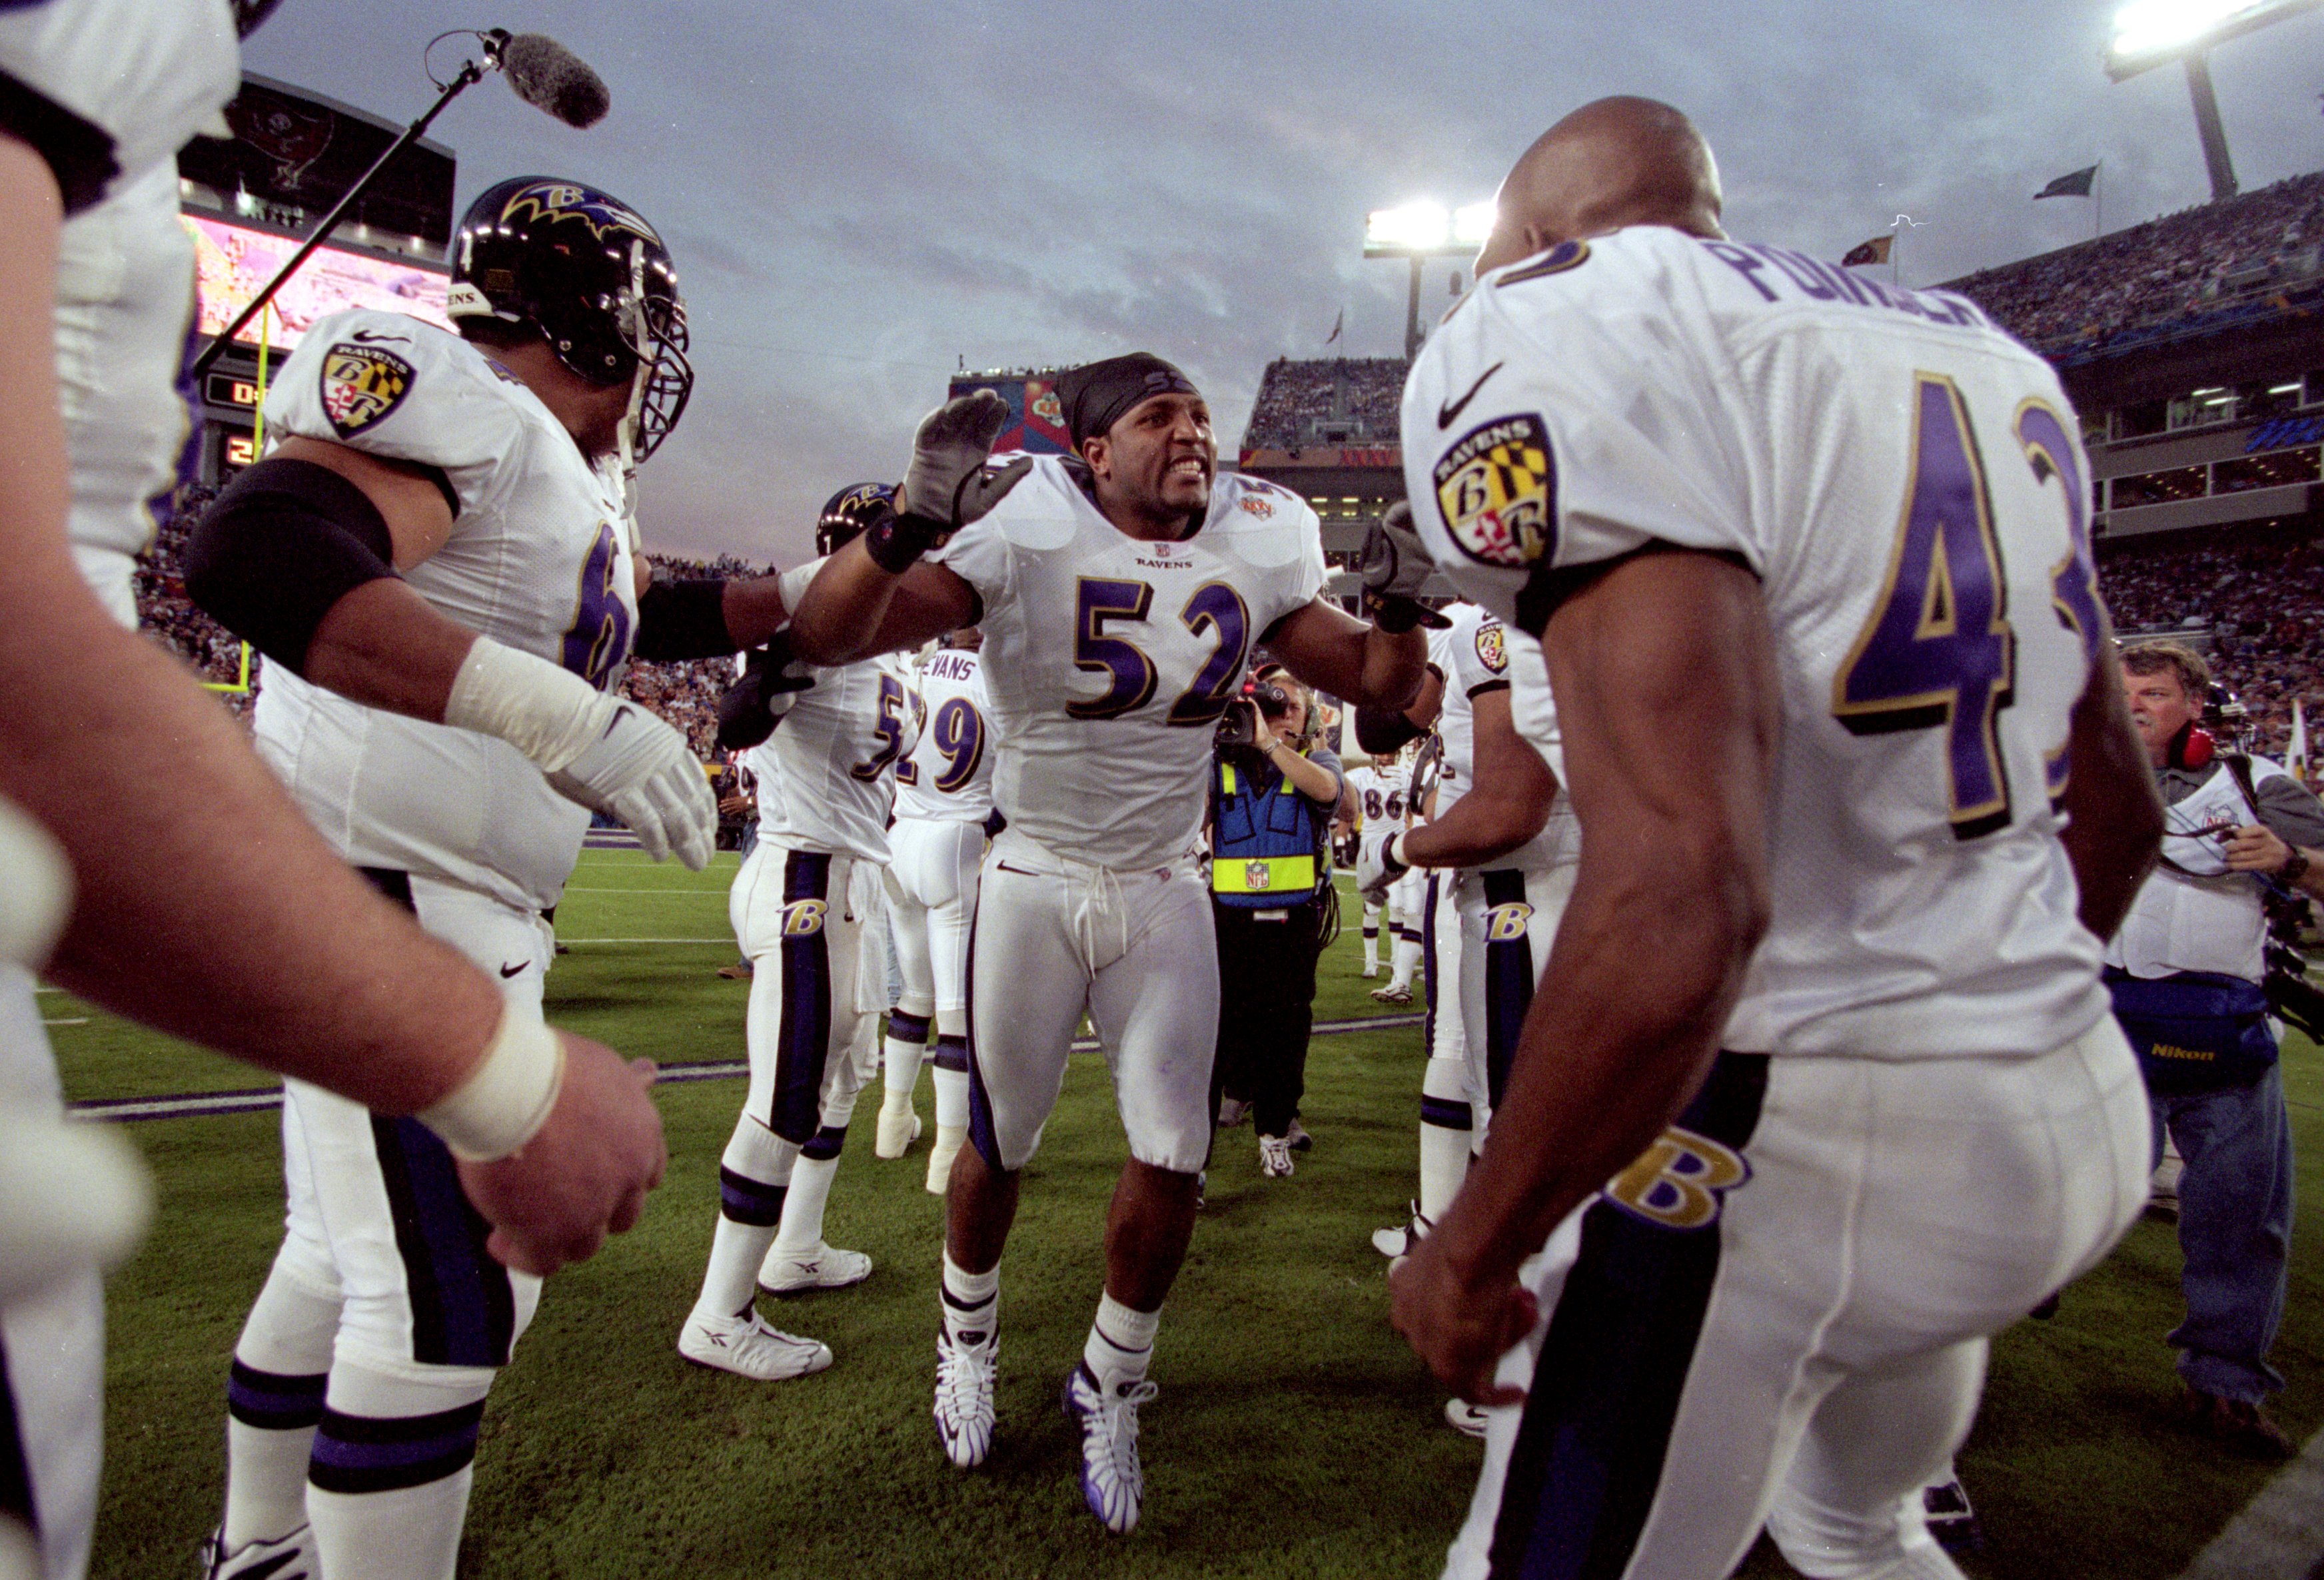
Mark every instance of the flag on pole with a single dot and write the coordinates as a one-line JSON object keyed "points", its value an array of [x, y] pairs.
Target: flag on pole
{"points": [[2295, 755], [1338, 324], [1875, 251], [2076, 185]]}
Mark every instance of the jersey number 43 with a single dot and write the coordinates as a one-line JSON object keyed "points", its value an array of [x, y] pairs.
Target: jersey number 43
{"points": [[1939, 652]]}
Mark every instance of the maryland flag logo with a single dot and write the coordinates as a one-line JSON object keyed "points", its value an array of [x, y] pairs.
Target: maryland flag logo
{"points": [[1492, 646], [361, 385], [1497, 489]]}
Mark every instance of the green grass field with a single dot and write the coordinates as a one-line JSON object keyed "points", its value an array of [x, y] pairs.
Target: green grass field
{"points": [[1295, 1435]]}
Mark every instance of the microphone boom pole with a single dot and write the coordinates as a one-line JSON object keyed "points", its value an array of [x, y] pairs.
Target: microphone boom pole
{"points": [[470, 72]]}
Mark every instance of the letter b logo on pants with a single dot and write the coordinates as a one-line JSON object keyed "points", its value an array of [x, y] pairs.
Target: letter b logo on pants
{"points": [[801, 917], [1678, 1180]]}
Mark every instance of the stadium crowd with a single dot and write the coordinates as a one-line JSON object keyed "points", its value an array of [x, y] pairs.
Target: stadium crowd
{"points": [[2165, 272], [1366, 392], [2261, 603], [685, 693]]}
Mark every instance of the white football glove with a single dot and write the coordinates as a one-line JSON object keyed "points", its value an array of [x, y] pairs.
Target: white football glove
{"points": [[610, 755]]}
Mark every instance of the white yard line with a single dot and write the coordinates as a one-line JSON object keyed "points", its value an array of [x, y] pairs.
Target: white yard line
{"points": [[2279, 1535]]}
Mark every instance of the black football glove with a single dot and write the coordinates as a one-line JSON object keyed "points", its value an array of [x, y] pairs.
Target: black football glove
{"points": [[1394, 567], [753, 705]]}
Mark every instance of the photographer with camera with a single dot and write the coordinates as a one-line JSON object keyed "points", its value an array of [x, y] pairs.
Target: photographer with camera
{"points": [[2194, 985], [1274, 792]]}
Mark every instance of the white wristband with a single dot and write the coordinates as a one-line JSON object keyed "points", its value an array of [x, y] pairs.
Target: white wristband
{"points": [[1396, 849], [549, 714], [507, 1097]]}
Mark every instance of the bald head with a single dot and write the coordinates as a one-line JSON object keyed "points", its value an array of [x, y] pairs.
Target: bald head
{"points": [[1616, 162]]}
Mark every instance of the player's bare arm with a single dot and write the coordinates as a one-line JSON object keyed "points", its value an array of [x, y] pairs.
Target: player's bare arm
{"points": [[1508, 805], [854, 608], [1358, 661], [1665, 682], [262, 943], [2114, 826]]}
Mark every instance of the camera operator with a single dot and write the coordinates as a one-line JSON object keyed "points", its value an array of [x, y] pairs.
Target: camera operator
{"points": [[2186, 972], [1275, 793]]}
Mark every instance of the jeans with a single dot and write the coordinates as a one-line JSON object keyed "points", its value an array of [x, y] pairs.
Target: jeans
{"points": [[2235, 1229]]}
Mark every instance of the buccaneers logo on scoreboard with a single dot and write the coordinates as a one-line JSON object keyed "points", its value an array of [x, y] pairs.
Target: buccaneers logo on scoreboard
{"points": [[361, 385]]}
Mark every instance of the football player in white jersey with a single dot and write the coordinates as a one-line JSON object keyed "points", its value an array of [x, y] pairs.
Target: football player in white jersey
{"points": [[1808, 558], [1381, 787], [823, 743], [436, 557], [227, 921], [943, 803], [1120, 591]]}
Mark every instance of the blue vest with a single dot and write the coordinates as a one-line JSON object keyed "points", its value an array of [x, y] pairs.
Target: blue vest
{"points": [[1266, 841]]}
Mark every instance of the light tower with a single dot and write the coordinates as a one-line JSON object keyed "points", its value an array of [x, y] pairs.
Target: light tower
{"points": [[2148, 33], [1424, 230]]}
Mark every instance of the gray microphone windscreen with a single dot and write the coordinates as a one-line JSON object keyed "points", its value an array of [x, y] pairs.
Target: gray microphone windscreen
{"points": [[548, 76]]}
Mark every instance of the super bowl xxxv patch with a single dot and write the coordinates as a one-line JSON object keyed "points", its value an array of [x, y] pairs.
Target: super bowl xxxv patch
{"points": [[361, 385], [1497, 488]]}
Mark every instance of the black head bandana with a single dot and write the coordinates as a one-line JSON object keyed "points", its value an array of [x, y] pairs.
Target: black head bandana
{"points": [[1100, 394]]}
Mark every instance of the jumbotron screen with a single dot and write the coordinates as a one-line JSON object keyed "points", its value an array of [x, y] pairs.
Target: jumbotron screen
{"points": [[235, 261], [1036, 420]]}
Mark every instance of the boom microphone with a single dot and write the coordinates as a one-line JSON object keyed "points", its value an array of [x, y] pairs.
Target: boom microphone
{"points": [[550, 77]]}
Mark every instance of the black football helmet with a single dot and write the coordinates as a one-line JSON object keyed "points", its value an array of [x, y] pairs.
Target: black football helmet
{"points": [[588, 272], [249, 14], [848, 512]]}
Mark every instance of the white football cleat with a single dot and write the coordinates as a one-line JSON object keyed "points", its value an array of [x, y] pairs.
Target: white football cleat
{"points": [[791, 1273], [1274, 1156], [1399, 1243], [895, 1134], [963, 1410], [286, 1557], [1466, 1418], [941, 1152], [1113, 1483], [746, 1347], [1393, 994]]}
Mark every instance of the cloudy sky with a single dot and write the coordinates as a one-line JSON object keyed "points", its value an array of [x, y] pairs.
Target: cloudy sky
{"points": [[859, 196]]}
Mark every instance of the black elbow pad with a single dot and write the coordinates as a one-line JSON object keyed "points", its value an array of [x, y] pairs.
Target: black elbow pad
{"points": [[1382, 730], [682, 619], [286, 541]]}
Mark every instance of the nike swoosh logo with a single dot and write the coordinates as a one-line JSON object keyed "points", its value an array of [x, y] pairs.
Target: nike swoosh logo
{"points": [[370, 337], [1018, 870], [614, 722], [1446, 413], [508, 972]]}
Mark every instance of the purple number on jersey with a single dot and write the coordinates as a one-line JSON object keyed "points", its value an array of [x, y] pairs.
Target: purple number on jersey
{"points": [[890, 730], [2074, 581], [1214, 607], [960, 738], [1939, 650], [599, 637]]}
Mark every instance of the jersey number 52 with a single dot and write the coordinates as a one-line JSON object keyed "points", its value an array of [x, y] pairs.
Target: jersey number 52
{"points": [[1214, 607]]}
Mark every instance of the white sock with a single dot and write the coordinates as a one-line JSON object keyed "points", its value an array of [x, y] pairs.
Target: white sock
{"points": [[1408, 961], [397, 1532], [1371, 938], [1120, 1342], [971, 1302], [730, 1285], [274, 1396], [951, 1077], [801, 1229], [1446, 1125], [900, 1066]]}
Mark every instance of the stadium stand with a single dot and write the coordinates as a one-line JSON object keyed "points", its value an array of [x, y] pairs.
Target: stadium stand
{"points": [[1342, 400], [2200, 269], [686, 695]]}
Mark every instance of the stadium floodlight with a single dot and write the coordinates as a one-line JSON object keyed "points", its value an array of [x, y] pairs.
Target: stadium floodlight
{"points": [[2148, 33], [1422, 230]]}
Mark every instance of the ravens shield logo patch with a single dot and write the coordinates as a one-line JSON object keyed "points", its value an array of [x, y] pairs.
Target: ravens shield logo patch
{"points": [[361, 385], [1497, 488]]}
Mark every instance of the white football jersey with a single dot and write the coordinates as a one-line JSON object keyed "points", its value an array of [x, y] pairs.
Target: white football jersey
{"points": [[948, 776], [828, 785], [1381, 788], [539, 559], [1109, 659], [1473, 656], [1909, 485], [129, 81]]}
